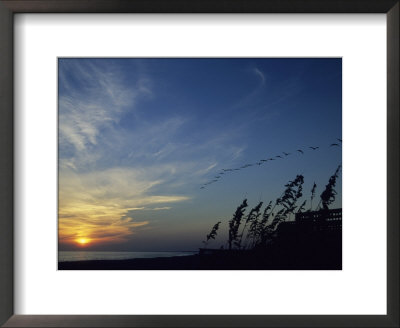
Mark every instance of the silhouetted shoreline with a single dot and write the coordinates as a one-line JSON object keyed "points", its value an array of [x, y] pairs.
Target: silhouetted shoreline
{"points": [[158, 263], [234, 261]]}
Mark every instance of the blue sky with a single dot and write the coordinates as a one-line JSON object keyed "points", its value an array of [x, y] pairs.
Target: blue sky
{"points": [[139, 137]]}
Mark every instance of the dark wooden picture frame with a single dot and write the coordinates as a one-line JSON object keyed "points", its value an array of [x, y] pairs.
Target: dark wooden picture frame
{"points": [[10, 7]]}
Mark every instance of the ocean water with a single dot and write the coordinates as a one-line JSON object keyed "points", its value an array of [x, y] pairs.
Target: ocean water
{"points": [[66, 256]]}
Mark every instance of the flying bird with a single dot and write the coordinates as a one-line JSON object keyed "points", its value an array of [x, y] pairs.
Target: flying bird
{"points": [[262, 161]]}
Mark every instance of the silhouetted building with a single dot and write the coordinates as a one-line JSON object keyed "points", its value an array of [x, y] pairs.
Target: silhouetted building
{"points": [[313, 241], [322, 222]]}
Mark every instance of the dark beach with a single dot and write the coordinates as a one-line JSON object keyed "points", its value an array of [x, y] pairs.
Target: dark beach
{"points": [[276, 260], [189, 262]]}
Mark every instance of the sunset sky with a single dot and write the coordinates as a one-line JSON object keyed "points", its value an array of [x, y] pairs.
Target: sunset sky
{"points": [[138, 138]]}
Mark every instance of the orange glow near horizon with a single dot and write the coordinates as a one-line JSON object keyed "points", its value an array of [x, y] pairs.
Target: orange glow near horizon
{"points": [[97, 208]]}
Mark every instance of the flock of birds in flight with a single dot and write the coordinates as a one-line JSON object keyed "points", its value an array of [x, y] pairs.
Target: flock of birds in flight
{"points": [[261, 162]]}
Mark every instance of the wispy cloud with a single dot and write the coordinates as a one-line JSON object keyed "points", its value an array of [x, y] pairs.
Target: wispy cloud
{"points": [[98, 205], [253, 96], [260, 74], [151, 209], [95, 103]]}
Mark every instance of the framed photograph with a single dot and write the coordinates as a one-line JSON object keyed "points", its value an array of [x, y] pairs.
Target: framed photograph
{"points": [[199, 164], [158, 201]]}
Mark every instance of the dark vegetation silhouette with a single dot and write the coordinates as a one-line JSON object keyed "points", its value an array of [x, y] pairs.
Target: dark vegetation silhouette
{"points": [[328, 195], [312, 194], [234, 224], [212, 233], [283, 235]]}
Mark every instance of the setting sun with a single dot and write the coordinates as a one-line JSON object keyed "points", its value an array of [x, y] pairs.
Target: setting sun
{"points": [[83, 241]]}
